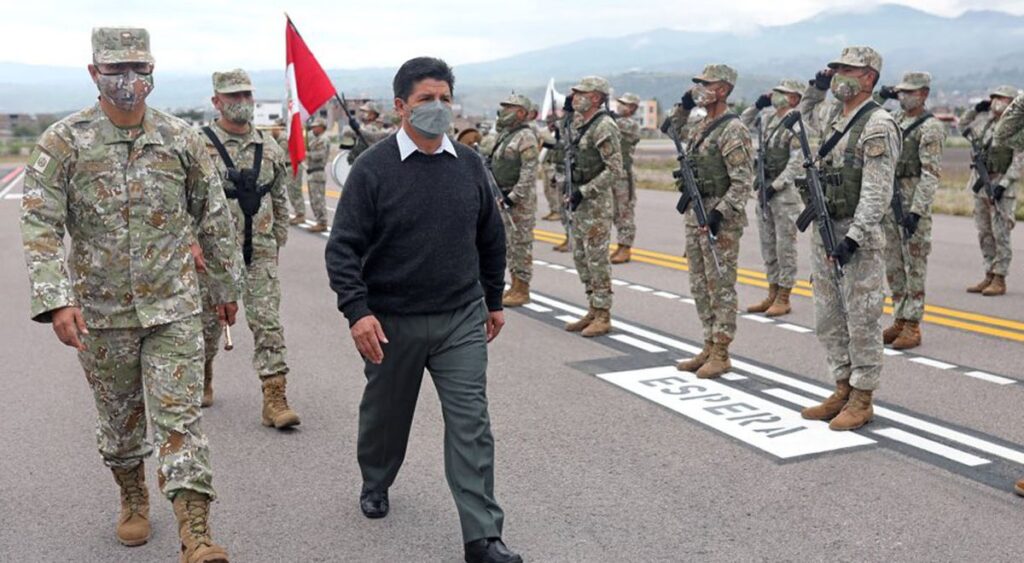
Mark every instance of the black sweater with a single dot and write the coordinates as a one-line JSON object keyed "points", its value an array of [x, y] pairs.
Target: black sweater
{"points": [[415, 237]]}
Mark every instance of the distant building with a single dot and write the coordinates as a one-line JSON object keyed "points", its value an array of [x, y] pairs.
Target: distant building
{"points": [[268, 112]]}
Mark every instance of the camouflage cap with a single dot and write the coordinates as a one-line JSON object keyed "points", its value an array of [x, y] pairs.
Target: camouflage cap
{"points": [[317, 122], [717, 73], [791, 86], [1005, 91], [371, 107], [593, 84], [859, 57], [629, 98], [517, 100], [915, 81], [231, 82], [111, 45]]}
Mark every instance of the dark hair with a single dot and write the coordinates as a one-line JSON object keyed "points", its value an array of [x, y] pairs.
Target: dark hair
{"points": [[415, 70]]}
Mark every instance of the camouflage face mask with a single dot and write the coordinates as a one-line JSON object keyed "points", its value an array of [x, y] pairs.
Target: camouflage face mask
{"points": [[999, 106], [508, 117], [909, 101], [237, 112], [845, 87], [779, 100], [125, 90], [581, 104]]}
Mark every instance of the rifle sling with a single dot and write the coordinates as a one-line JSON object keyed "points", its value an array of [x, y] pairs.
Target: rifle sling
{"points": [[834, 139]]}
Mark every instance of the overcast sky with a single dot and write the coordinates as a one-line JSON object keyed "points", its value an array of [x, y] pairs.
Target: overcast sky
{"points": [[203, 35]]}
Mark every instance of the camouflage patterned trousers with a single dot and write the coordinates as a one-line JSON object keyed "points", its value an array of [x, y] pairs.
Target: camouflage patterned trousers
{"points": [[625, 209], [261, 301], [160, 368], [591, 236], [552, 187], [995, 224], [853, 344], [294, 186], [777, 232], [906, 266], [520, 220], [317, 184], [714, 294]]}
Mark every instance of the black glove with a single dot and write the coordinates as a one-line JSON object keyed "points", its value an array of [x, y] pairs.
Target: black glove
{"points": [[983, 105], [844, 251], [997, 191], [567, 106], [910, 221], [507, 196], [354, 124], [763, 101], [714, 221], [575, 200], [888, 93], [687, 100], [769, 193], [822, 80]]}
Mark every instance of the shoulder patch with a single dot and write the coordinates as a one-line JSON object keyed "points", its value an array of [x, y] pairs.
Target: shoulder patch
{"points": [[874, 147], [42, 163]]}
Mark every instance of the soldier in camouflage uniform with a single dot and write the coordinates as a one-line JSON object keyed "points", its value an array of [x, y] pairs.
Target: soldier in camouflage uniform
{"points": [[131, 185], [597, 168], [722, 155], [317, 153], [995, 219], [514, 163], [783, 165], [366, 131], [552, 162], [625, 190], [858, 175], [917, 175], [293, 183], [261, 288]]}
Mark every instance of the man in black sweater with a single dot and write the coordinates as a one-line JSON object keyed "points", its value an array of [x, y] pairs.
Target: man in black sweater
{"points": [[417, 258]]}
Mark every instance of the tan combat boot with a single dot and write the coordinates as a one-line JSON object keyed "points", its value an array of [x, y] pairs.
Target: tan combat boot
{"points": [[208, 383], [694, 363], [564, 247], [781, 305], [297, 219], [276, 411], [997, 287], [518, 296], [600, 326], [320, 227], [890, 334], [856, 413], [718, 362], [583, 323], [133, 522], [910, 337], [192, 510], [1018, 487], [980, 286], [773, 292], [623, 254], [832, 405], [552, 216]]}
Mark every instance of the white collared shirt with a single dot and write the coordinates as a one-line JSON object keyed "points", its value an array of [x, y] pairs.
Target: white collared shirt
{"points": [[407, 146]]}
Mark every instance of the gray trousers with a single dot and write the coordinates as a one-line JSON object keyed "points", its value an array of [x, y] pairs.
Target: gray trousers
{"points": [[452, 346]]}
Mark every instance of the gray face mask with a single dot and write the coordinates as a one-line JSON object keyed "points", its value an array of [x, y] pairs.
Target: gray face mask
{"points": [[125, 90], [431, 119]]}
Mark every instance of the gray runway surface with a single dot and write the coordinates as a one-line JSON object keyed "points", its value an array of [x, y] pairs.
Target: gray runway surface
{"points": [[587, 468]]}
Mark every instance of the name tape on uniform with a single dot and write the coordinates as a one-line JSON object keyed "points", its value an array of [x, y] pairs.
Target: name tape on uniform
{"points": [[760, 423]]}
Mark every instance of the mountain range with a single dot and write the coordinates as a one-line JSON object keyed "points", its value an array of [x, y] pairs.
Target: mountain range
{"points": [[966, 55]]}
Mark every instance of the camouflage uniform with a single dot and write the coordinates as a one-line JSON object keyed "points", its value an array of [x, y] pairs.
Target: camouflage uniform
{"points": [[730, 145], [514, 162], [592, 220], [371, 131], [131, 199], [549, 163], [995, 222], [317, 154], [777, 227], [906, 262], [293, 182], [625, 189], [853, 344]]}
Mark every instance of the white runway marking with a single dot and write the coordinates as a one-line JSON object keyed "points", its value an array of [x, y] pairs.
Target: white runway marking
{"points": [[666, 294], [891, 352], [641, 288], [932, 363], [537, 308], [759, 319], [795, 328], [931, 446], [637, 343], [619, 282], [990, 377]]}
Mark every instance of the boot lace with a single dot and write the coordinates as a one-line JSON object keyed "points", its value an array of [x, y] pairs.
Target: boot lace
{"points": [[131, 488]]}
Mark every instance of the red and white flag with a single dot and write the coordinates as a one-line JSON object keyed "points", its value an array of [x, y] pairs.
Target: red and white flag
{"points": [[309, 88]]}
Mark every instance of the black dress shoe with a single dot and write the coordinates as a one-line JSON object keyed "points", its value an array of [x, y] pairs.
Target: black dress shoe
{"points": [[490, 550], [374, 503]]}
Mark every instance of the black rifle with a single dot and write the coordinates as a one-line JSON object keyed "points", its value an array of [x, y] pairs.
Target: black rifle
{"points": [[817, 209], [979, 162], [352, 122], [690, 194], [568, 190], [762, 180]]}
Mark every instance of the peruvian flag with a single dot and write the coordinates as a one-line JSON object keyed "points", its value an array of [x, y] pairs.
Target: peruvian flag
{"points": [[308, 89]]}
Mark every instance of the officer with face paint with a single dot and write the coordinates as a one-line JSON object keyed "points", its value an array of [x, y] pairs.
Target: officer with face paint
{"points": [[253, 173], [862, 144], [776, 221], [918, 170], [722, 158], [133, 188], [994, 217], [317, 154]]}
